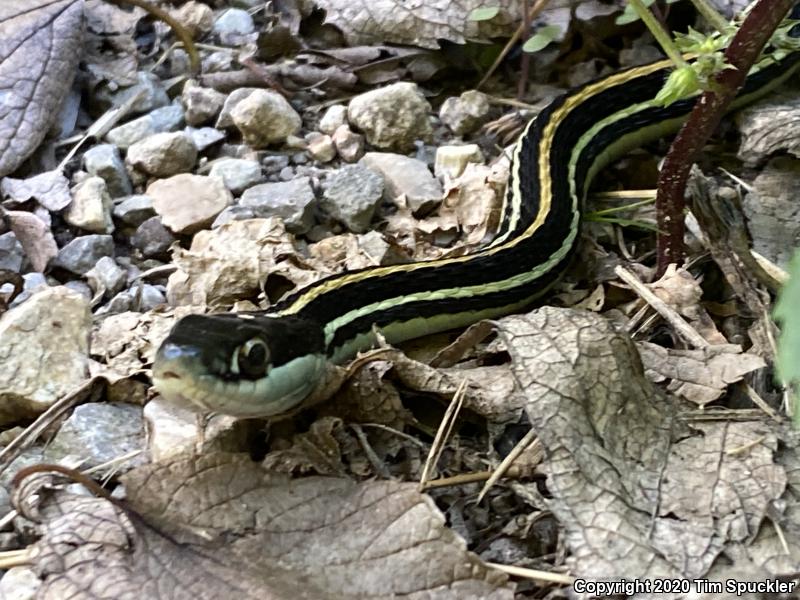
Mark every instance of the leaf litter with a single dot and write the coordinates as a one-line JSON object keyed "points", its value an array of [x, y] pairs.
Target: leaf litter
{"points": [[226, 525]]}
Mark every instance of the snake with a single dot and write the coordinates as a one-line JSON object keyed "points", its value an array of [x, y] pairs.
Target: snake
{"points": [[266, 363]]}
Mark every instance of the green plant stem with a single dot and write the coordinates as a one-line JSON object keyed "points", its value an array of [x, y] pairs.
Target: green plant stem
{"points": [[709, 13], [662, 36], [742, 52]]}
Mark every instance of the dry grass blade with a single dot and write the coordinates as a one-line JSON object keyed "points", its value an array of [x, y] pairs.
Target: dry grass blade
{"points": [[443, 433], [503, 467]]}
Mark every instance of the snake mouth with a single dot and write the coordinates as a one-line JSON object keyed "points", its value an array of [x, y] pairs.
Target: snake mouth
{"points": [[180, 375]]}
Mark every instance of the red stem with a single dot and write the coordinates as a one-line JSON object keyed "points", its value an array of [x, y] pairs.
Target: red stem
{"points": [[742, 52]]}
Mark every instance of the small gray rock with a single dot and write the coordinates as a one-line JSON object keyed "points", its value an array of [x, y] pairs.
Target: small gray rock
{"points": [[31, 282], [394, 116], [273, 164], [168, 118], [11, 254], [154, 94], [99, 432], [404, 176], [163, 154], [320, 147], [134, 210], [292, 201], [45, 351], [106, 277], [80, 287], [334, 117], [91, 206], [188, 203], [204, 137], [148, 298], [82, 253], [349, 145], [233, 26], [225, 121], [351, 196], [217, 62], [201, 104], [104, 161], [233, 213], [466, 113], [120, 303], [265, 117], [152, 239], [236, 173], [452, 160], [196, 17]]}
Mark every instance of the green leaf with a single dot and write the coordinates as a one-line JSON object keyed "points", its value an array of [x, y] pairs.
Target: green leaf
{"points": [[541, 38], [629, 14], [681, 83], [623, 222], [787, 311], [483, 13]]}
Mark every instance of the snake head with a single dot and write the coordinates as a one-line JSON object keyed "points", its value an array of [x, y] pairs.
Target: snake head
{"points": [[244, 364]]}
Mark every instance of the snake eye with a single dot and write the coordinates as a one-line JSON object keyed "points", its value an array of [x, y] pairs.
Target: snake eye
{"points": [[251, 358]]}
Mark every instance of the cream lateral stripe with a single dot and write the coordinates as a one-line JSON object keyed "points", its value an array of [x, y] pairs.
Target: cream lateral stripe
{"points": [[556, 118], [401, 331]]}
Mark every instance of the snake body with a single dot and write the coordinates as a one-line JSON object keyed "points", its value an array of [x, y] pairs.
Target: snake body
{"points": [[265, 363]]}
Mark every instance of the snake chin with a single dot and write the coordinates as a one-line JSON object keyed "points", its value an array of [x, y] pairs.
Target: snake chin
{"points": [[281, 390]]}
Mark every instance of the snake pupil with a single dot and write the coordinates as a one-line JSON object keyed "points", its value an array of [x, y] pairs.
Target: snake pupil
{"points": [[253, 358]]}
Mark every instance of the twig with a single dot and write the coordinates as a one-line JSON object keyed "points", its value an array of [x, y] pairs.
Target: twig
{"points": [[47, 418], [673, 318], [538, 6], [179, 30], [525, 62], [373, 458], [528, 440], [443, 433], [534, 574]]}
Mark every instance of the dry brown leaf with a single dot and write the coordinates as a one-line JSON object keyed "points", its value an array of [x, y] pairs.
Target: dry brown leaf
{"points": [[125, 344], [473, 202], [106, 18], [625, 477], [369, 397], [418, 23], [40, 46], [700, 376], [681, 291], [315, 452], [236, 530], [233, 262], [338, 252], [490, 390]]}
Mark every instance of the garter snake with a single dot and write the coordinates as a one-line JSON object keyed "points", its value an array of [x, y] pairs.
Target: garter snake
{"points": [[265, 363]]}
